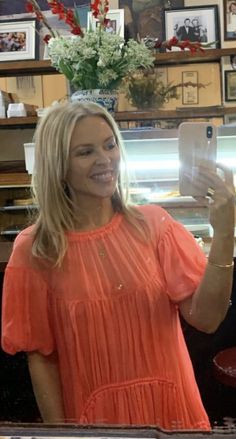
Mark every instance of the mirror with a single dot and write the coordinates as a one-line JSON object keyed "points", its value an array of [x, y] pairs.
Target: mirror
{"points": [[16, 395]]}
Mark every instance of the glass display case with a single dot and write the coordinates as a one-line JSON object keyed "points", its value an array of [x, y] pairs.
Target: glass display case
{"points": [[153, 164]]}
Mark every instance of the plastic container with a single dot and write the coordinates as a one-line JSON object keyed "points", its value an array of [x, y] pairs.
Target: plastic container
{"points": [[16, 110], [29, 157]]}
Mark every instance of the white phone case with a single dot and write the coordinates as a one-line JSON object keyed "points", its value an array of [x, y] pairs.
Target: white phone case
{"points": [[197, 146]]}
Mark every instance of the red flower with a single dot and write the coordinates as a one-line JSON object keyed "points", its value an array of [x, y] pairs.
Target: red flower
{"points": [[47, 38], [99, 9], [39, 15], [77, 30], [29, 7]]}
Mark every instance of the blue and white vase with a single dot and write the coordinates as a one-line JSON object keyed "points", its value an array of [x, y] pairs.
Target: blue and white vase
{"points": [[106, 98]]}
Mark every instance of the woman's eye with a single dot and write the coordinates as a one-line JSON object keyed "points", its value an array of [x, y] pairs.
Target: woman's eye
{"points": [[84, 152], [111, 145]]}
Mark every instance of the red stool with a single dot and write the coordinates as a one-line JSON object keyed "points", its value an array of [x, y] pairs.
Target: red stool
{"points": [[224, 364]]}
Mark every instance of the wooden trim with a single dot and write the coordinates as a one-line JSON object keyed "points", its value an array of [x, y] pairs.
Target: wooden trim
{"points": [[18, 121], [179, 113], [43, 67]]}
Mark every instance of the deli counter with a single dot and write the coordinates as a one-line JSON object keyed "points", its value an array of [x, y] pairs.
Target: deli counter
{"points": [[153, 165]]}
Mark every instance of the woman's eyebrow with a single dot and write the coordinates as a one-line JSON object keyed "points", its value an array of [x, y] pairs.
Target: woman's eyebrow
{"points": [[84, 145]]}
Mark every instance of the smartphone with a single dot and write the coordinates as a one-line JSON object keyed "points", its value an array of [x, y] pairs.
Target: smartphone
{"points": [[197, 146]]}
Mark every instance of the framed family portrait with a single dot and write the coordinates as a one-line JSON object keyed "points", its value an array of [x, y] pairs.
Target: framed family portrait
{"points": [[115, 22], [230, 85], [18, 40], [193, 24], [229, 19]]}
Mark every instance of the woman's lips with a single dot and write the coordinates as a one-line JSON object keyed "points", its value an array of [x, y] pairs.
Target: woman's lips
{"points": [[103, 177]]}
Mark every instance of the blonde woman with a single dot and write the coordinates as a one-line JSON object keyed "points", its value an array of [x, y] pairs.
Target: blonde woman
{"points": [[94, 288]]}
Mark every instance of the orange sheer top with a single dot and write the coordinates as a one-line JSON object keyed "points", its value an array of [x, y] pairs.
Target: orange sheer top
{"points": [[111, 313]]}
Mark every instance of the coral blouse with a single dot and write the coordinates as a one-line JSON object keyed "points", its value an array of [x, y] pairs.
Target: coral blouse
{"points": [[111, 313]]}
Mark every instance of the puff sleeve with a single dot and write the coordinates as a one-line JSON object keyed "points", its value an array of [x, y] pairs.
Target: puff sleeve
{"points": [[25, 304], [182, 260]]}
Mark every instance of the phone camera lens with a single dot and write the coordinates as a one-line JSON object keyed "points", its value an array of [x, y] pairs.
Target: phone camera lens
{"points": [[209, 132]]}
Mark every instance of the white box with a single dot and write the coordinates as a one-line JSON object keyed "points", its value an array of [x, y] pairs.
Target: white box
{"points": [[29, 157], [16, 110]]}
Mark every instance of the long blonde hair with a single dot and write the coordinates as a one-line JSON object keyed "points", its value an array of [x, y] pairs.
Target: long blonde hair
{"points": [[56, 213]]}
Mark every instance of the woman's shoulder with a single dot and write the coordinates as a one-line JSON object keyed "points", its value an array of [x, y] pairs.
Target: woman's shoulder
{"points": [[154, 213], [25, 237], [22, 247], [157, 218]]}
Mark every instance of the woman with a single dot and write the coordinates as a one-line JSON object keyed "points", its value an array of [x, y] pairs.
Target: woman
{"points": [[93, 289]]}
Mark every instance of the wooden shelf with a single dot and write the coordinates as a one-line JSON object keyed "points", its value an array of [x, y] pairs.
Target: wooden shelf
{"points": [[43, 67], [21, 68], [179, 57], [179, 113], [18, 121]]}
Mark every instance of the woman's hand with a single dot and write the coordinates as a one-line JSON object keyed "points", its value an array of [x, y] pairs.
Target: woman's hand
{"points": [[220, 198]]}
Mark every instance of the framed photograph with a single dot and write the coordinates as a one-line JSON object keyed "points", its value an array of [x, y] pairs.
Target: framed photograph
{"points": [[190, 89], [18, 40], [230, 85], [115, 22], [229, 19], [193, 24], [230, 119]]}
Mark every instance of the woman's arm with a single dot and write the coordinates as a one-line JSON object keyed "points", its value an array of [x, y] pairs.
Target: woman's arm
{"points": [[206, 309], [46, 384]]}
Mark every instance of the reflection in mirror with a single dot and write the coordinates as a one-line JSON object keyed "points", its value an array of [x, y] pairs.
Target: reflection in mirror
{"points": [[93, 290]]}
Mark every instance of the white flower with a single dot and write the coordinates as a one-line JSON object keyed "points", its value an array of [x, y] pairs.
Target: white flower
{"points": [[98, 59]]}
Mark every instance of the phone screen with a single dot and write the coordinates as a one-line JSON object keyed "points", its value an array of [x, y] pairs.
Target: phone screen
{"points": [[197, 146]]}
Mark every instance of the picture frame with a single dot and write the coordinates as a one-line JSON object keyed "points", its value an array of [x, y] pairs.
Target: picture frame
{"points": [[190, 93], [193, 24], [230, 119], [18, 40], [229, 7], [115, 23], [230, 85]]}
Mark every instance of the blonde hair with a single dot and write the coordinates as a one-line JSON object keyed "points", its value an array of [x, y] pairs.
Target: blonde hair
{"points": [[56, 213]]}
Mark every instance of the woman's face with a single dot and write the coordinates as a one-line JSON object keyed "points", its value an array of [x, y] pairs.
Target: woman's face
{"points": [[94, 160]]}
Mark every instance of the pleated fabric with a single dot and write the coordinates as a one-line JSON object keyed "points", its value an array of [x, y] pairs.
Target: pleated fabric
{"points": [[111, 313]]}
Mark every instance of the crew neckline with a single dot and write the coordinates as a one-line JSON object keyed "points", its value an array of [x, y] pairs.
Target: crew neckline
{"points": [[100, 231]]}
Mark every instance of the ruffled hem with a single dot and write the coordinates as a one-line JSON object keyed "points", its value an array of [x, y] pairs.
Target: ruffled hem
{"points": [[148, 401]]}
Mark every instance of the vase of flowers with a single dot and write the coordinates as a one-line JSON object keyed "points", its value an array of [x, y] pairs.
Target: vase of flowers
{"points": [[97, 62], [106, 98], [94, 62]]}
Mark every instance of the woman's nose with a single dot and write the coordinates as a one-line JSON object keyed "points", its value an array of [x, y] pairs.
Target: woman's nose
{"points": [[103, 158]]}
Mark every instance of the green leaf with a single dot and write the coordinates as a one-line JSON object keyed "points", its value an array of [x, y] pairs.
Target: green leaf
{"points": [[66, 70]]}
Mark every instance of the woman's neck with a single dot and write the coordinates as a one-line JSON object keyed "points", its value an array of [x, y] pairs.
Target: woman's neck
{"points": [[95, 216]]}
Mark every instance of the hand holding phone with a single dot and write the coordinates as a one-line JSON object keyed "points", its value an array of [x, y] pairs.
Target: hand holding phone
{"points": [[197, 148]]}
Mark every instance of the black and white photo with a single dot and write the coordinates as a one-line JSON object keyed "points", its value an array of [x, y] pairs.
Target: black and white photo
{"points": [[195, 24]]}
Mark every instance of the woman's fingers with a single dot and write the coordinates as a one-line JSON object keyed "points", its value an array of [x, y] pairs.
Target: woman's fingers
{"points": [[228, 174]]}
